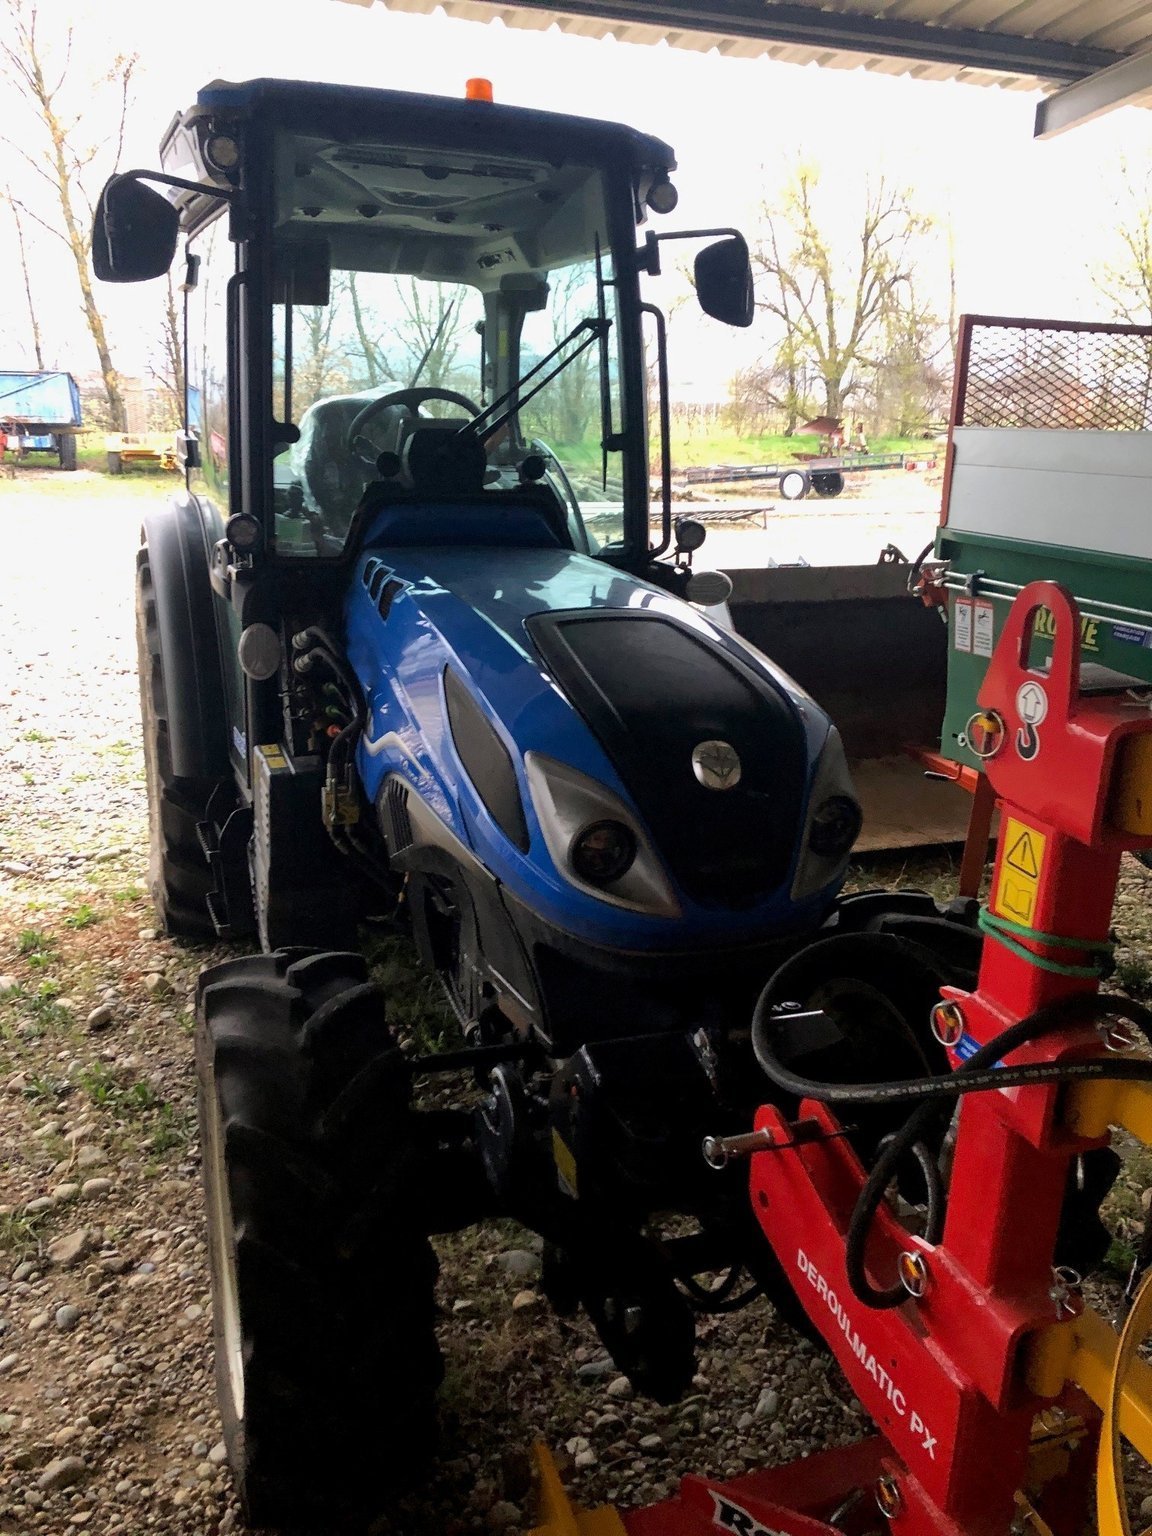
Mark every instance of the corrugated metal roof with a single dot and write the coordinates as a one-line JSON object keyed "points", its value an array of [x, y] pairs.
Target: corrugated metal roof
{"points": [[1016, 44]]}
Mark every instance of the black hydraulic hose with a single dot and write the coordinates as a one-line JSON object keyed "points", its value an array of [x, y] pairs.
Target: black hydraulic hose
{"points": [[323, 646], [722, 1298], [973, 1076]]}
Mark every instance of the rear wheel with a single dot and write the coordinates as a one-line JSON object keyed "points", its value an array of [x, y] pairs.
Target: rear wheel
{"points": [[66, 446], [179, 875], [323, 1279], [115, 464]]}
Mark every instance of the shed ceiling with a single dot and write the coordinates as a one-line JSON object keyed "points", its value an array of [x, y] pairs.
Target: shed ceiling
{"points": [[1016, 44]]}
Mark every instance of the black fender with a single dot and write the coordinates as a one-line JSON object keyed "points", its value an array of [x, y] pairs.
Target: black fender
{"points": [[179, 545]]}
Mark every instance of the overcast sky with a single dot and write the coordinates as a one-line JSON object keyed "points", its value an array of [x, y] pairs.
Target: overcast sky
{"points": [[1028, 219]]}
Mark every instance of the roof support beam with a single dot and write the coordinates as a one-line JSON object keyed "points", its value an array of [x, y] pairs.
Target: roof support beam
{"points": [[809, 26], [1093, 96]]}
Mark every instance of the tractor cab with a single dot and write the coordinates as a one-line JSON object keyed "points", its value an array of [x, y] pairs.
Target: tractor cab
{"points": [[419, 296]]}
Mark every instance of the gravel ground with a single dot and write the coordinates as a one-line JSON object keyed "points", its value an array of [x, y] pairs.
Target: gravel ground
{"points": [[107, 1417]]}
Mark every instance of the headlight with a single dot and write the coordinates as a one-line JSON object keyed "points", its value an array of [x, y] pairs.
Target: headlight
{"points": [[595, 841], [834, 827], [833, 823], [603, 852]]}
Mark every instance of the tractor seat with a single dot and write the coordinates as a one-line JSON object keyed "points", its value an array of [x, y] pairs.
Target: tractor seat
{"points": [[333, 478]]}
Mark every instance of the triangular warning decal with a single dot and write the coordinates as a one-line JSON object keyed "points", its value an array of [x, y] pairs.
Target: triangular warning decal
{"points": [[1022, 856]]}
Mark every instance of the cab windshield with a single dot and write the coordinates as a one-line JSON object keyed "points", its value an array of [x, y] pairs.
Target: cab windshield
{"points": [[416, 285]]}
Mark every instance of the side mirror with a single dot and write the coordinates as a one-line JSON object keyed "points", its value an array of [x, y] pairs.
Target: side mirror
{"points": [[134, 233], [724, 281]]}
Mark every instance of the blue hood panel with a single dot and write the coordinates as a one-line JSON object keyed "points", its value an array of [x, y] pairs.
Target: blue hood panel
{"points": [[413, 612]]}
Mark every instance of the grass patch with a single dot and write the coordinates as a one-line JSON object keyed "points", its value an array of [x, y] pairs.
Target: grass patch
{"points": [[40, 1089], [171, 1133], [83, 917], [36, 736], [20, 1234], [417, 1008], [37, 1008], [33, 944], [1133, 974]]}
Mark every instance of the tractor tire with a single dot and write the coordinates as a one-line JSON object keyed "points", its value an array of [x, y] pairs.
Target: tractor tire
{"points": [[115, 464], [323, 1278], [66, 447], [179, 876]]}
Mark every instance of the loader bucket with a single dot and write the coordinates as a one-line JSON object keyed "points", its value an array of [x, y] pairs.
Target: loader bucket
{"points": [[875, 659]]}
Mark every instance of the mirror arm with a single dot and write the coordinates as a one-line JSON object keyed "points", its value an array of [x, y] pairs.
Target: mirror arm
{"points": [[665, 428], [648, 255], [178, 181]]}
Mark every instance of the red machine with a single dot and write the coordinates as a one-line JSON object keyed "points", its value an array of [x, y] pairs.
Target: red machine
{"points": [[971, 1346]]}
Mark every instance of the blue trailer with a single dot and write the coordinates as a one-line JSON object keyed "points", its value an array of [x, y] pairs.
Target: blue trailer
{"points": [[40, 412]]}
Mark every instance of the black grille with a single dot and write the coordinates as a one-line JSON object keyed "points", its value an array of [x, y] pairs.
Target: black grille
{"points": [[399, 822], [652, 691]]}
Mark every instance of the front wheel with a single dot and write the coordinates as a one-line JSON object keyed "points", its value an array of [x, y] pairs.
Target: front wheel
{"points": [[323, 1279]]}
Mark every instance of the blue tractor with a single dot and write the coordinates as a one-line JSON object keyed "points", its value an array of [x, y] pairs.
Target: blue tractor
{"points": [[415, 642]]}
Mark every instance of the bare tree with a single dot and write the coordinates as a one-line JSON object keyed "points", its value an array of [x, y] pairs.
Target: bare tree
{"points": [[170, 373], [44, 78], [909, 383], [318, 362], [829, 299], [431, 332], [33, 321], [375, 360], [1125, 282]]}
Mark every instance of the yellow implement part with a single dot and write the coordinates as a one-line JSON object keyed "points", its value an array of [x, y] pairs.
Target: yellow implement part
{"points": [[558, 1516], [1130, 1376], [1093, 1107]]}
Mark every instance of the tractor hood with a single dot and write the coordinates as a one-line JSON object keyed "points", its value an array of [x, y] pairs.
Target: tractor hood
{"points": [[483, 667]]}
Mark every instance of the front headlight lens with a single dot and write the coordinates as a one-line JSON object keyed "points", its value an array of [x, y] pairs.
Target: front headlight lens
{"points": [[603, 852], [832, 826], [835, 826], [595, 841]]}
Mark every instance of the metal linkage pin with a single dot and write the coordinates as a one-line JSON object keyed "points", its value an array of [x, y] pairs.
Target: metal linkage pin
{"points": [[1066, 1292], [1118, 1035], [913, 1272], [888, 1497], [719, 1151]]}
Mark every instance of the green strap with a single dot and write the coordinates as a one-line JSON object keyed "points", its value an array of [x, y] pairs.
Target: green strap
{"points": [[1008, 933]]}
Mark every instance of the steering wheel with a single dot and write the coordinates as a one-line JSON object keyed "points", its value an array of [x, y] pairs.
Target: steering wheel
{"points": [[412, 399]]}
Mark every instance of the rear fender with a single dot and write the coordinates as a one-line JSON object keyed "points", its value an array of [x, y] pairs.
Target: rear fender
{"points": [[178, 553]]}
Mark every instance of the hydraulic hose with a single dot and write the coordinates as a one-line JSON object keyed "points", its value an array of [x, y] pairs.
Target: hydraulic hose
{"points": [[978, 1074], [975, 1076]]}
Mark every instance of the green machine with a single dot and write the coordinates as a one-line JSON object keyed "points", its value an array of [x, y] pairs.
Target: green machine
{"points": [[1049, 476]]}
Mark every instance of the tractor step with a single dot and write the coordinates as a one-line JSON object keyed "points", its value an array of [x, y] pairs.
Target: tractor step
{"points": [[224, 837]]}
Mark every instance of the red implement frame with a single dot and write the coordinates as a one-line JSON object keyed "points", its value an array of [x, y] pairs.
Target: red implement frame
{"points": [[966, 1379]]}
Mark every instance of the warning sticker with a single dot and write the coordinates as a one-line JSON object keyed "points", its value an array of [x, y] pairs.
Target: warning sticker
{"points": [[1020, 869], [983, 628], [962, 623]]}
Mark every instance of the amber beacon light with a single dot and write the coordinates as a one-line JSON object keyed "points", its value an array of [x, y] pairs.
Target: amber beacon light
{"points": [[478, 89]]}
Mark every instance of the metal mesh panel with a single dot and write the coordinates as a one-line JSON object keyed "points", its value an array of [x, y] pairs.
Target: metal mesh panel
{"points": [[1058, 377]]}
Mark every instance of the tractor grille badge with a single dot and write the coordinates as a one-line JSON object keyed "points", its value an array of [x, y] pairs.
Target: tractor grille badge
{"points": [[716, 765]]}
